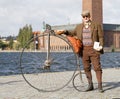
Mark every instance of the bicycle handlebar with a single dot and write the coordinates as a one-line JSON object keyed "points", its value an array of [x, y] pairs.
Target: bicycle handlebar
{"points": [[48, 29]]}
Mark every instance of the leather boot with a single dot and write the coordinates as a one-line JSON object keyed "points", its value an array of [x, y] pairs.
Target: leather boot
{"points": [[100, 89], [99, 78], [90, 87]]}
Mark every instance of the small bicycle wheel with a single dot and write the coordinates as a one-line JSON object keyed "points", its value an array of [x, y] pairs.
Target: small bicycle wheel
{"points": [[80, 82], [48, 74]]}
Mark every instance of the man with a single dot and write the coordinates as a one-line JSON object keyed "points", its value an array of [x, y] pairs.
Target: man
{"points": [[91, 35]]}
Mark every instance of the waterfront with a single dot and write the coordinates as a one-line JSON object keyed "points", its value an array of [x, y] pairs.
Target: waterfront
{"points": [[13, 86], [9, 62]]}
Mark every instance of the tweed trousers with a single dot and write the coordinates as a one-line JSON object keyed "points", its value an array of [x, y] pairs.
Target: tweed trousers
{"points": [[91, 58]]}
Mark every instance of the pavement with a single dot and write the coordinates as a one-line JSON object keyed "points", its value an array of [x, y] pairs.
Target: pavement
{"points": [[15, 87]]}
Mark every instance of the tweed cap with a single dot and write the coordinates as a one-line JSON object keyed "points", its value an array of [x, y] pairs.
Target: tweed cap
{"points": [[86, 13]]}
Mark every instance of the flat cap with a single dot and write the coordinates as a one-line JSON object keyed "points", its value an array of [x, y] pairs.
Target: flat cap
{"points": [[86, 13]]}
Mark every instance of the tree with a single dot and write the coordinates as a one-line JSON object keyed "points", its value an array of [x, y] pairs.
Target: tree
{"points": [[3, 45], [25, 34], [11, 43]]}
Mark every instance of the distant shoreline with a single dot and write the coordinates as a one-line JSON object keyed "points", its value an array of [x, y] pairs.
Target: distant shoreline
{"points": [[106, 49]]}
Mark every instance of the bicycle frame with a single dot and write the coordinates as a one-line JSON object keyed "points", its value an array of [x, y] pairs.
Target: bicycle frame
{"points": [[78, 68], [48, 61]]}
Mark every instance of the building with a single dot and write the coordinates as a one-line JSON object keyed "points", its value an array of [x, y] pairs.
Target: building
{"points": [[111, 31], [42, 41], [111, 34], [111, 37]]}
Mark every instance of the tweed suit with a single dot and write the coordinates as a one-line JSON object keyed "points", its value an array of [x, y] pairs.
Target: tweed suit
{"points": [[89, 55]]}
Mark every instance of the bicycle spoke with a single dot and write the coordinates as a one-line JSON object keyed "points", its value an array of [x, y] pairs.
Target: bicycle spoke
{"points": [[48, 73]]}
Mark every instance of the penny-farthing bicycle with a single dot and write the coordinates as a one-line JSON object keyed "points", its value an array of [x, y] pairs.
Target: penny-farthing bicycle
{"points": [[53, 65]]}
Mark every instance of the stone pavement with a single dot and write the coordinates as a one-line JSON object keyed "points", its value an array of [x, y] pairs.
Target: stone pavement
{"points": [[15, 87]]}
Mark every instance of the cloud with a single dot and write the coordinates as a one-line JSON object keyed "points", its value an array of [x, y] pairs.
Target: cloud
{"points": [[111, 11], [14, 14]]}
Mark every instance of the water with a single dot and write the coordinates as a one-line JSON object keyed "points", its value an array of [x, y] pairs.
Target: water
{"points": [[9, 62]]}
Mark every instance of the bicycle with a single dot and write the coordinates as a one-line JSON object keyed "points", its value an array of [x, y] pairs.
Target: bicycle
{"points": [[43, 69]]}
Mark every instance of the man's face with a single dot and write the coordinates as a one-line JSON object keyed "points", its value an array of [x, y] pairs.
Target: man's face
{"points": [[86, 19]]}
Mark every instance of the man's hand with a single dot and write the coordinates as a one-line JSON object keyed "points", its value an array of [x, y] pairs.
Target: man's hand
{"points": [[59, 32], [97, 46]]}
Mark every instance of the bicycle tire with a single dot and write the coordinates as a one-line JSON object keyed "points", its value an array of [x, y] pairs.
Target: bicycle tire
{"points": [[47, 80], [79, 81]]}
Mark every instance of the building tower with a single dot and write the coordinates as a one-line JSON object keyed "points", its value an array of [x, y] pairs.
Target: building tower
{"points": [[95, 8]]}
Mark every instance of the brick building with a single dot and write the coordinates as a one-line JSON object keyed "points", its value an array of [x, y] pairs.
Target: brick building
{"points": [[111, 37], [56, 43], [111, 34]]}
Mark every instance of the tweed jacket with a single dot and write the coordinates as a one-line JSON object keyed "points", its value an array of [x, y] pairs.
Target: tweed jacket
{"points": [[96, 33]]}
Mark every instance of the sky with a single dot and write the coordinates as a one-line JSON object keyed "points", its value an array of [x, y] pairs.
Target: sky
{"points": [[15, 14]]}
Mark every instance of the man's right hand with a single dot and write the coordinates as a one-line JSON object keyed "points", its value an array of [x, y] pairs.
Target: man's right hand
{"points": [[59, 32]]}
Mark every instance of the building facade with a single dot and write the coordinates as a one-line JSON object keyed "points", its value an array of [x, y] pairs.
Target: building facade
{"points": [[111, 37], [42, 41]]}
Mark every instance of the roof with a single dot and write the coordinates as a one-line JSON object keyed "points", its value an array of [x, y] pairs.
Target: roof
{"points": [[64, 27], [111, 27], [108, 27]]}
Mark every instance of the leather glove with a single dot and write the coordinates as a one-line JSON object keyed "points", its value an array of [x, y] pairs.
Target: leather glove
{"points": [[59, 32]]}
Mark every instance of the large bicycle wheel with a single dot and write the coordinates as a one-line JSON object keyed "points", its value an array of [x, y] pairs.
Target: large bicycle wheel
{"points": [[46, 74], [80, 82]]}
